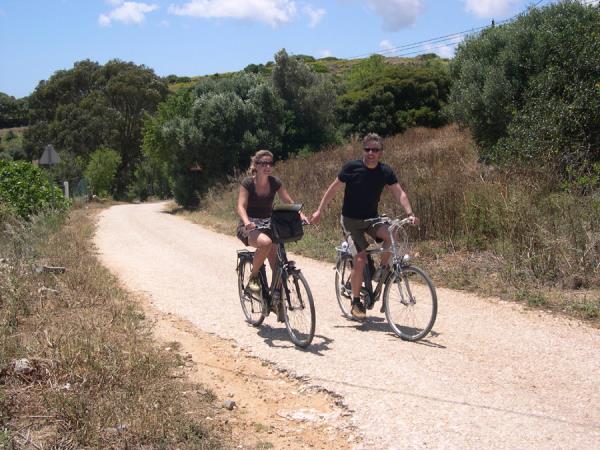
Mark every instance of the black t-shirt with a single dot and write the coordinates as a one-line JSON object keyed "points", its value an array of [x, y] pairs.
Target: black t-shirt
{"points": [[364, 187], [261, 206]]}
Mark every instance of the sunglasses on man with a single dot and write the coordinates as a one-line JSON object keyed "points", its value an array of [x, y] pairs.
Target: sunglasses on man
{"points": [[372, 149]]}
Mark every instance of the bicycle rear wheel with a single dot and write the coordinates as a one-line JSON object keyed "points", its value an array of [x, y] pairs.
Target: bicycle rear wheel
{"points": [[252, 305], [299, 310], [343, 291], [410, 303]]}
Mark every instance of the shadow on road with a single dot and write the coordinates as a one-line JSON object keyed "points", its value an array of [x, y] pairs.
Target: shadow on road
{"points": [[279, 338], [379, 324]]}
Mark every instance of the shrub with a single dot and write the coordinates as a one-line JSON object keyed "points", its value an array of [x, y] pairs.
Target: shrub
{"points": [[529, 91], [26, 189], [101, 171]]}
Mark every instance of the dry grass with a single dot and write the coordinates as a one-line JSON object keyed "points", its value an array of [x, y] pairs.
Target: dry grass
{"points": [[98, 379], [498, 232]]}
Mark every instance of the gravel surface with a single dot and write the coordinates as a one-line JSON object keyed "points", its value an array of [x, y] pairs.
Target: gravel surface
{"points": [[491, 375]]}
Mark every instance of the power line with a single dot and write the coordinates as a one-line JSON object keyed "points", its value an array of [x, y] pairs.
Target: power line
{"points": [[442, 41]]}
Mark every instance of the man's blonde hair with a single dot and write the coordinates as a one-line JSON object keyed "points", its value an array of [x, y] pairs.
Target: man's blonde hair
{"points": [[257, 156]]}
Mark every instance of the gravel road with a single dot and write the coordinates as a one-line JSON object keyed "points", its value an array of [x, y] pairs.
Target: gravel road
{"points": [[491, 375]]}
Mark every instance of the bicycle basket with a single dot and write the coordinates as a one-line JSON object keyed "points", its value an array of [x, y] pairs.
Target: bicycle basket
{"points": [[286, 223]]}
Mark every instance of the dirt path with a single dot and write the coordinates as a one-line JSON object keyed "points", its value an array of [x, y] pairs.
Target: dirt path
{"points": [[492, 375]]}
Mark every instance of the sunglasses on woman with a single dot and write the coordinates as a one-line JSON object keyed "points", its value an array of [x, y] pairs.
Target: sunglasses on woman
{"points": [[372, 149], [265, 163]]}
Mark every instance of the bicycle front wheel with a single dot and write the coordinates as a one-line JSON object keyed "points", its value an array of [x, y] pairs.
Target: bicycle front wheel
{"points": [[299, 310], [252, 305], [343, 290], [410, 303]]}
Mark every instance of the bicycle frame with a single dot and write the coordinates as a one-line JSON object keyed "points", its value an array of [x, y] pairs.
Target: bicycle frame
{"points": [[397, 260], [283, 270]]}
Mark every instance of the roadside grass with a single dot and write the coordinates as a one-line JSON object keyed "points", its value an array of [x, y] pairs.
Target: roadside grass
{"points": [[499, 232], [96, 377]]}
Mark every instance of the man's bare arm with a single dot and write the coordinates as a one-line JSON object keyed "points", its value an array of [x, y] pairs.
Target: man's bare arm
{"points": [[329, 193]]}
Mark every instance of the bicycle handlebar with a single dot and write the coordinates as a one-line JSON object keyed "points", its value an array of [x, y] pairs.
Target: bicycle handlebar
{"points": [[384, 219]]}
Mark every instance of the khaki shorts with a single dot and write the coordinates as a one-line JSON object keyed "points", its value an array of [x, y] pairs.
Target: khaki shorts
{"points": [[357, 228]]}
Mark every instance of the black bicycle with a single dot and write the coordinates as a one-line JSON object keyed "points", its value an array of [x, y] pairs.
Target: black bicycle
{"points": [[289, 296], [409, 296]]}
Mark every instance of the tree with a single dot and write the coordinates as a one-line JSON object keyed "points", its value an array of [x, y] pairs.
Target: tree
{"points": [[89, 106], [529, 90], [13, 112], [11, 146], [309, 102], [213, 129], [101, 171], [388, 99]]}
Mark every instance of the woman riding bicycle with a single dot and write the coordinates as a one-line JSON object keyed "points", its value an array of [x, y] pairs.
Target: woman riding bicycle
{"points": [[254, 206]]}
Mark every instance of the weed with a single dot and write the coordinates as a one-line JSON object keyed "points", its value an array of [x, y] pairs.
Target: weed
{"points": [[585, 308], [483, 228], [105, 382], [261, 428], [532, 299]]}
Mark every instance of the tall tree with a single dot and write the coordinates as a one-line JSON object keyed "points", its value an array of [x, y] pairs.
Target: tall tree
{"points": [[309, 100], [89, 106], [211, 131], [13, 112]]}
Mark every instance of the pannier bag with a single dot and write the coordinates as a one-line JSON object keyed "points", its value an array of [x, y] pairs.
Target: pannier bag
{"points": [[286, 223]]}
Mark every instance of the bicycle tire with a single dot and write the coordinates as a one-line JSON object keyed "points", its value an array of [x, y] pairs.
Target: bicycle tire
{"points": [[343, 269], [410, 302], [252, 306], [297, 305]]}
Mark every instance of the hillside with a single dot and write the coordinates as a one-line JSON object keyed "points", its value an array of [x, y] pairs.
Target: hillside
{"points": [[334, 66]]}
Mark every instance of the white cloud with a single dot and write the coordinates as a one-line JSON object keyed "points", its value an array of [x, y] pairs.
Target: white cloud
{"points": [[325, 53], [397, 14], [126, 12], [386, 45], [445, 51], [314, 15], [272, 12], [104, 20], [487, 9]]}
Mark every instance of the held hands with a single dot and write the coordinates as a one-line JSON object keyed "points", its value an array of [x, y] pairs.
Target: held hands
{"points": [[250, 226], [316, 217]]}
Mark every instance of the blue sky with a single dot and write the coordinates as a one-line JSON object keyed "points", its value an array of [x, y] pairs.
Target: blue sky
{"points": [[199, 37]]}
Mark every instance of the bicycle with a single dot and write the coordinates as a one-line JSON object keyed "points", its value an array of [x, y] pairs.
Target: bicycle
{"points": [[289, 295], [409, 296]]}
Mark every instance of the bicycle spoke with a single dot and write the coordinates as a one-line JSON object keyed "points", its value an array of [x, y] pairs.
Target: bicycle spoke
{"points": [[299, 310], [410, 304], [252, 306], [343, 290]]}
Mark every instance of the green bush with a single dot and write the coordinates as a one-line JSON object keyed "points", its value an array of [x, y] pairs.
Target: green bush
{"points": [[389, 99], [101, 171], [26, 190], [529, 91]]}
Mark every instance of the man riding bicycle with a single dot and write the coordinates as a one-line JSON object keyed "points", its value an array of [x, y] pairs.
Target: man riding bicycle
{"points": [[363, 181]]}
